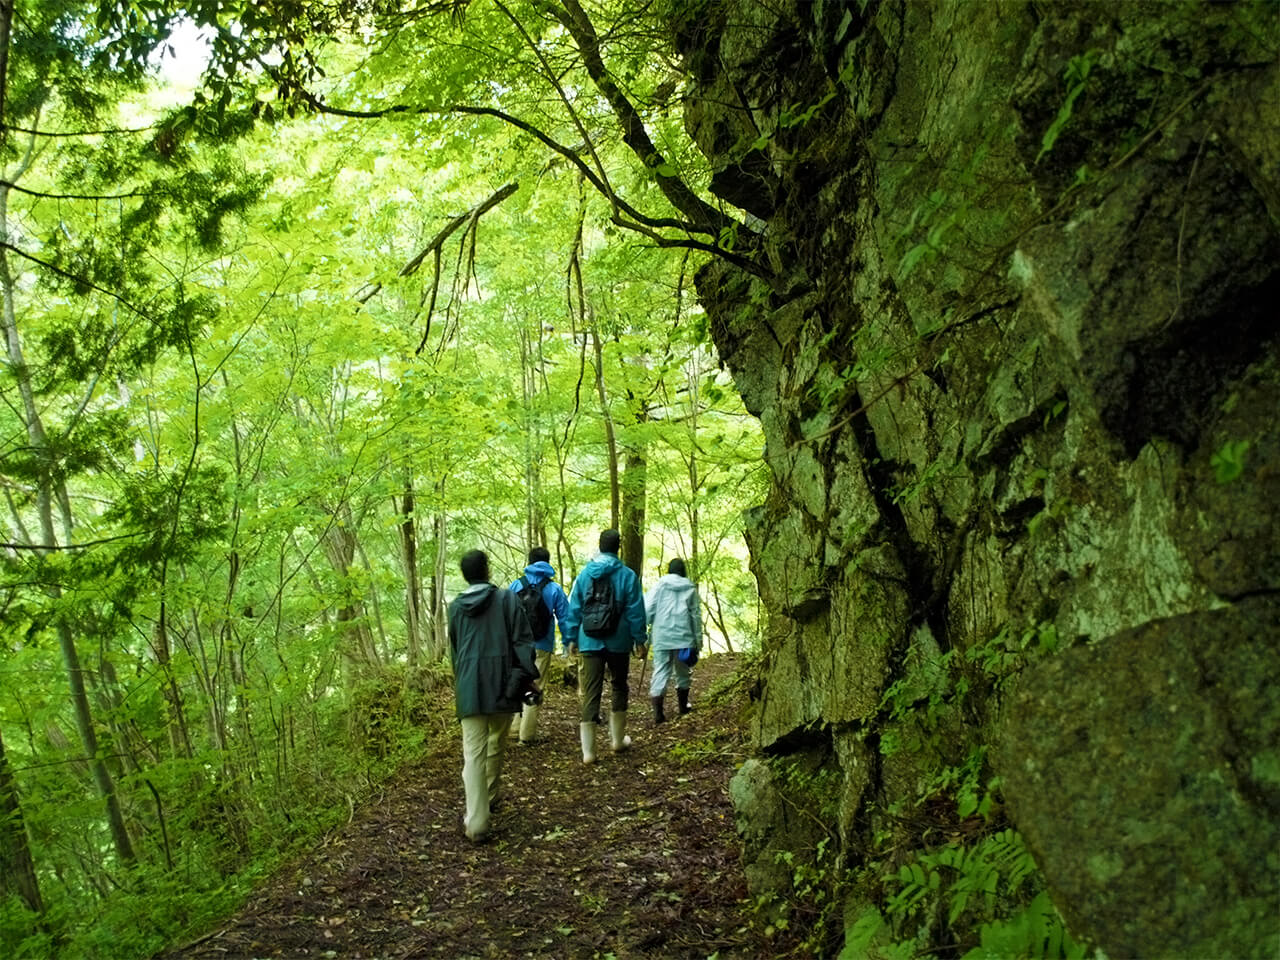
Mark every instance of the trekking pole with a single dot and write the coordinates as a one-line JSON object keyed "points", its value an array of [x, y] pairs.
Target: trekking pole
{"points": [[644, 666]]}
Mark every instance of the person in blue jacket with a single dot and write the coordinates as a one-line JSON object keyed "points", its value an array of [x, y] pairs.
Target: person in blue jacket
{"points": [[541, 576], [609, 651]]}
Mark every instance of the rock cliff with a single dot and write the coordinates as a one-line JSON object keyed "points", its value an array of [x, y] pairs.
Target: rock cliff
{"points": [[1018, 366]]}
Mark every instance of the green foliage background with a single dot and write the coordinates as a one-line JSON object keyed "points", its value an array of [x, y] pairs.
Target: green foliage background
{"points": [[221, 390]]}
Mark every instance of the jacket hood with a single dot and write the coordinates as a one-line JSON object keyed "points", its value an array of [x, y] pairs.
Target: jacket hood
{"points": [[476, 599], [675, 583], [601, 563], [540, 571]]}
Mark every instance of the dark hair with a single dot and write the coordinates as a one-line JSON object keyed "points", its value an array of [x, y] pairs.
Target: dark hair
{"points": [[475, 566], [539, 553], [610, 541], [676, 566]]}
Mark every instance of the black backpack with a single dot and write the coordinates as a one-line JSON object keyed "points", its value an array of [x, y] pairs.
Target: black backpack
{"points": [[535, 608], [600, 613]]}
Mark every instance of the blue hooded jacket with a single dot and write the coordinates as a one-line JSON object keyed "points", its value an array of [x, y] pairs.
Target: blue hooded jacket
{"points": [[542, 576], [630, 631]]}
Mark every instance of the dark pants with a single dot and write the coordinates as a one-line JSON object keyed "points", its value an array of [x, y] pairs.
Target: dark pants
{"points": [[594, 664]]}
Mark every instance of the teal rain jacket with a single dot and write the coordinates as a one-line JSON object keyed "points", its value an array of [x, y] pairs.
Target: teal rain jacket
{"points": [[630, 631]]}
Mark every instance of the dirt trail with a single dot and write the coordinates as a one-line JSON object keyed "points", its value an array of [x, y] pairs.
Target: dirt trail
{"points": [[633, 857]]}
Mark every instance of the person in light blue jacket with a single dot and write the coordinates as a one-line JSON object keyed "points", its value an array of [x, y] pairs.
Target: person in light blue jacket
{"points": [[604, 649], [541, 576], [673, 610]]}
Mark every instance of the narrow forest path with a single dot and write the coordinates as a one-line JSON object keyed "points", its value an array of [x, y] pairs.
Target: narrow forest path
{"points": [[633, 857]]}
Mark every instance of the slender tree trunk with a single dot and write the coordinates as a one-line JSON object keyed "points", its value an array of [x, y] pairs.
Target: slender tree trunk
{"points": [[526, 392], [695, 378], [611, 442], [47, 492], [412, 581], [439, 614], [535, 520], [179, 738], [718, 616], [634, 490], [17, 869], [6, 28], [384, 652], [340, 547]]}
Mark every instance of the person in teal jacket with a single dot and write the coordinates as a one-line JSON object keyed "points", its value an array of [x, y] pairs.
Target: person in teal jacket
{"points": [[612, 651], [491, 649]]}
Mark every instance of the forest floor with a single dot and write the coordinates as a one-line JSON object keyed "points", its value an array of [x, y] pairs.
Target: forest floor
{"points": [[633, 857]]}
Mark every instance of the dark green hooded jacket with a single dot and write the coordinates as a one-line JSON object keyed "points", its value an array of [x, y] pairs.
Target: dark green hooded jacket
{"points": [[489, 638]]}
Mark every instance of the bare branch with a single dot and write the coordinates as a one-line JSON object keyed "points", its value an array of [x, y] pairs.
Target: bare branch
{"points": [[471, 216], [470, 220], [8, 184]]}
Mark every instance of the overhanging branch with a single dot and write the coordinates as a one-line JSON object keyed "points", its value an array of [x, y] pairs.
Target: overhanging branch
{"points": [[467, 222]]}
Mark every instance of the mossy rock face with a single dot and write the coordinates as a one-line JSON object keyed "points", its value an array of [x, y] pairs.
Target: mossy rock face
{"points": [[1016, 370], [1142, 772]]}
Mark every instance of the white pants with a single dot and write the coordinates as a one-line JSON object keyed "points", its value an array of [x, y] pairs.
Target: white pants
{"points": [[483, 741], [664, 663]]}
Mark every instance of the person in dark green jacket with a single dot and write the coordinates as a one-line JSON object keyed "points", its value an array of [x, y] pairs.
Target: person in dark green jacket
{"points": [[491, 648]]}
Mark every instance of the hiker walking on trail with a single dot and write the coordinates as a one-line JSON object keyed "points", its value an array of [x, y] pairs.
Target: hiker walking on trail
{"points": [[491, 648], [545, 604], [672, 610], [606, 623]]}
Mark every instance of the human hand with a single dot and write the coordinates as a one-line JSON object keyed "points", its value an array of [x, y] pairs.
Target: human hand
{"points": [[573, 649], [642, 651]]}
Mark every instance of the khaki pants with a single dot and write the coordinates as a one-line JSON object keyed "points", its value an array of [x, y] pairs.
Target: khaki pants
{"points": [[542, 660], [483, 742], [525, 723]]}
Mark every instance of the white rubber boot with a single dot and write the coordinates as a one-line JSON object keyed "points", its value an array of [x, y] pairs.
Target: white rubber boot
{"points": [[528, 724], [587, 733], [617, 731]]}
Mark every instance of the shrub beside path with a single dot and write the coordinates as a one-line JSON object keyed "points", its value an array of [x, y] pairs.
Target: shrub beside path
{"points": [[633, 857]]}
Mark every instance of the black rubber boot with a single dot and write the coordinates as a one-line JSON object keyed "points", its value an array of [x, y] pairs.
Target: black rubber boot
{"points": [[658, 715], [683, 697]]}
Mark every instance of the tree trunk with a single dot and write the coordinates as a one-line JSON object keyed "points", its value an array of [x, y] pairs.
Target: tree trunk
{"points": [[17, 869], [47, 492], [634, 490], [357, 645], [611, 442], [535, 520], [439, 616], [695, 378], [412, 582], [179, 737], [382, 648]]}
